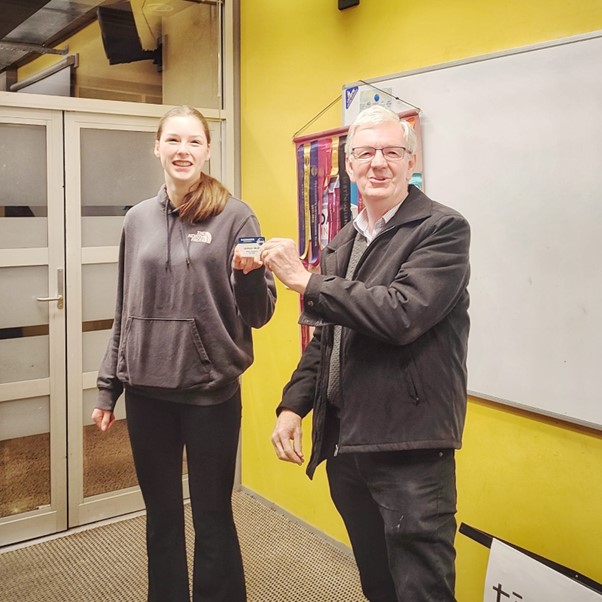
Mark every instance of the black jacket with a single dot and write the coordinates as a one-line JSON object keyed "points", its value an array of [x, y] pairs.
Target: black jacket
{"points": [[404, 339]]}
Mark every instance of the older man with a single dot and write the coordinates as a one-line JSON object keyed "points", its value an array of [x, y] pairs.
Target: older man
{"points": [[385, 372]]}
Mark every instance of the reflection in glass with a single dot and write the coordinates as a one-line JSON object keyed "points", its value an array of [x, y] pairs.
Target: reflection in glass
{"points": [[105, 210], [101, 230], [24, 211], [24, 455], [108, 463], [22, 164], [94, 345], [99, 290], [21, 233], [24, 358], [23, 186], [125, 162], [26, 284]]}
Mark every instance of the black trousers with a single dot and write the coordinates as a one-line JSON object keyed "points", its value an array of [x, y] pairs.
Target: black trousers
{"points": [[159, 431], [399, 510]]}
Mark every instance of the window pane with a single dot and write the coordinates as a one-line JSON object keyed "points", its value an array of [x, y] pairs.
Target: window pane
{"points": [[24, 455], [125, 162], [23, 189]]}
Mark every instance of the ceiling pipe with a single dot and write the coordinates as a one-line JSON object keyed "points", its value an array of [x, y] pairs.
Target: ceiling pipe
{"points": [[26, 47]]}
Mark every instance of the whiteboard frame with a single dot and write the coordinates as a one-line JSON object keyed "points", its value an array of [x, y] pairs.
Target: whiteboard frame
{"points": [[468, 61]]}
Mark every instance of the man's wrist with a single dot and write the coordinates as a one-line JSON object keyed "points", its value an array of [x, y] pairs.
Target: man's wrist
{"points": [[299, 283]]}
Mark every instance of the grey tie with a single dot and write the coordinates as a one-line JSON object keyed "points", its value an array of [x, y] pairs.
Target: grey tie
{"points": [[334, 374]]}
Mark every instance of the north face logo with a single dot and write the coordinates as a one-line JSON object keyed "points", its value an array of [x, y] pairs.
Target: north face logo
{"points": [[200, 237]]}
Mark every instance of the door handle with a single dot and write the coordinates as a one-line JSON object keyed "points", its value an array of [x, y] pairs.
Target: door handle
{"points": [[59, 296]]}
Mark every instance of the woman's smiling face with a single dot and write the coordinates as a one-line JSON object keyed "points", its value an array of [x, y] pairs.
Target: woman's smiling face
{"points": [[183, 149]]}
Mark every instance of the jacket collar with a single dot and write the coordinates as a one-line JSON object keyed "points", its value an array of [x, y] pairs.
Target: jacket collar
{"points": [[416, 206]]}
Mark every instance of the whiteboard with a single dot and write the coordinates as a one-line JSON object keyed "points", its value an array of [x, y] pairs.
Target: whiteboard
{"points": [[514, 142]]}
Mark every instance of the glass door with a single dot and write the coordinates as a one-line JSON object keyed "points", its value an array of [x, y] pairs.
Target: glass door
{"points": [[110, 166], [67, 179], [33, 486]]}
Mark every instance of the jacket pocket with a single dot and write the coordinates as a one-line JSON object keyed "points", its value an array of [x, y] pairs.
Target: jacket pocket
{"points": [[413, 378], [164, 353]]}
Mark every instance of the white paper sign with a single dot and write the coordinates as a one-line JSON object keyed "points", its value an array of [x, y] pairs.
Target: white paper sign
{"points": [[515, 577]]}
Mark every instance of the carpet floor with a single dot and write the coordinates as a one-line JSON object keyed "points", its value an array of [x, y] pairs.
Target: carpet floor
{"points": [[284, 562]]}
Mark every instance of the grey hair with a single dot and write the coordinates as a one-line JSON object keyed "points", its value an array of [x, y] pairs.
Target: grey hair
{"points": [[375, 115]]}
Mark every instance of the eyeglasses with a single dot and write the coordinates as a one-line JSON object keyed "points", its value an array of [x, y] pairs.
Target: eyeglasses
{"points": [[367, 153]]}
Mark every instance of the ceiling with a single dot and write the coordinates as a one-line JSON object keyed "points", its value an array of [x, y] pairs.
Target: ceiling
{"points": [[29, 28]]}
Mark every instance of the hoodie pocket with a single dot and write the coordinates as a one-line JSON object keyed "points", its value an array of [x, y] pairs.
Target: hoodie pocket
{"points": [[163, 353]]}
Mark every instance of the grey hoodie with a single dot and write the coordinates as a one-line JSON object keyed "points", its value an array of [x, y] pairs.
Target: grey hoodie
{"points": [[183, 317]]}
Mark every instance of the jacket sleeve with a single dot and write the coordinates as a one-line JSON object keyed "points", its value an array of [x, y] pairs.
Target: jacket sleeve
{"points": [[299, 393], [109, 386], [255, 292], [427, 285]]}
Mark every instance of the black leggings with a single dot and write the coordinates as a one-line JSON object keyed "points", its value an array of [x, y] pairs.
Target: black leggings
{"points": [[159, 430]]}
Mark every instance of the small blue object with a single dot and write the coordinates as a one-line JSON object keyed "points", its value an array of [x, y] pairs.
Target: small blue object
{"points": [[376, 97]]}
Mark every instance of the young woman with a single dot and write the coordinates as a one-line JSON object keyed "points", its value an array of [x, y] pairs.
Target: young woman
{"points": [[187, 300]]}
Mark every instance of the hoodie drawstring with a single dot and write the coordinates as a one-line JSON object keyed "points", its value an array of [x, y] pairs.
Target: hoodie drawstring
{"points": [[167, 236], [185, 243]]}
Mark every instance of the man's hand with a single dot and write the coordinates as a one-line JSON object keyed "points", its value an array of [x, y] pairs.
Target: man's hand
{"points": [[103, 419], [280, 255], [287, 429]]}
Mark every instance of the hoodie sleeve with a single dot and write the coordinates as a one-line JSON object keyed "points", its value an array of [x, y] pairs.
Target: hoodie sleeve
{"points": [[109, 386], [255, 292]]}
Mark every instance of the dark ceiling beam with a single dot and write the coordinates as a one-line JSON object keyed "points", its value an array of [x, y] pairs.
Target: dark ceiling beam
{"points": [[71, 29], [14, 12]]}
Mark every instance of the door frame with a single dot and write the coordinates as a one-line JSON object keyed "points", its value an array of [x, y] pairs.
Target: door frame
{"points": [[52, 518], [68, 508]]}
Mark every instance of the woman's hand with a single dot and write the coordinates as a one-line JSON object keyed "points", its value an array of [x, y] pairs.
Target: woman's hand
{"points": [[244, 262], [103, 419]]}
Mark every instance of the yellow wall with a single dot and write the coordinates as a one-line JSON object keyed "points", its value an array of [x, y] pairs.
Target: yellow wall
{"points": [[524, 478]]}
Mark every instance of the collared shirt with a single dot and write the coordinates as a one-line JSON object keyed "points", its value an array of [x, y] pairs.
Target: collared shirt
{"points": [[361, 222]]}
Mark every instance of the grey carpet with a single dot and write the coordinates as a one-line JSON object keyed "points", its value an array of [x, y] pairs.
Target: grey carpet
{"points": [[284, 562]]}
